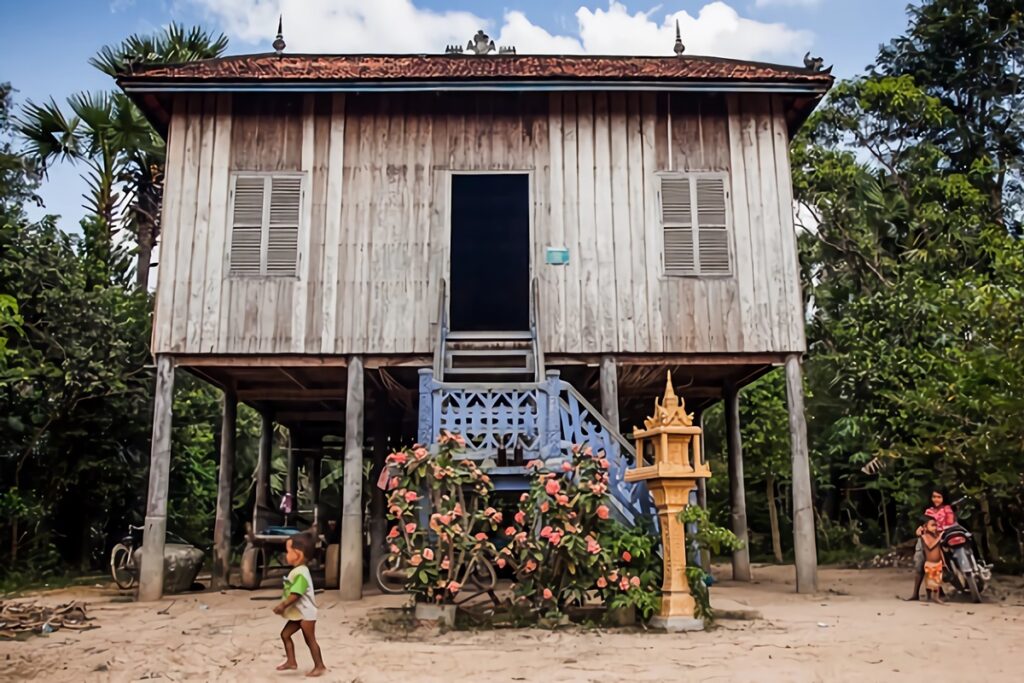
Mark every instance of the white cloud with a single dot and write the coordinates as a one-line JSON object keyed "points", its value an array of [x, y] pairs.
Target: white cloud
{"points": [[349, 26], [786, 3]]}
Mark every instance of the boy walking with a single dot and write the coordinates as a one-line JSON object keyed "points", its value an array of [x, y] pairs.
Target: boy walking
{"points": [[298, 604]]}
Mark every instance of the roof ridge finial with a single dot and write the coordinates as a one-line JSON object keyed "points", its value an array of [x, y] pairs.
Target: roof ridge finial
{"points": [[679, 47], [670, 400], [279, 43]]}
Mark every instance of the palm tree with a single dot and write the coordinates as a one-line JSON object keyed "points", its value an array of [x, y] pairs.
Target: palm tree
{"points": [[109, 135]]}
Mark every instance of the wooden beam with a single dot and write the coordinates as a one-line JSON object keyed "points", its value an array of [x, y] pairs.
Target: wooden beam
{"points": [[668, 359], [275, 361], [288, 417], [221, 569], [804, 544], [263, 469], [151, 572], [283, 394], [351, 581], [610, 390], [737, 491]]}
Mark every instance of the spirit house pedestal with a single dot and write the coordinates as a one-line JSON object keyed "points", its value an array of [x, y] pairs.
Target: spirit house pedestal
{"points": [[668, 459]]}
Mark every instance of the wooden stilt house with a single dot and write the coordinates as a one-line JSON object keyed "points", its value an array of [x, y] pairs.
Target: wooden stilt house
{"points": [[378, 247]]}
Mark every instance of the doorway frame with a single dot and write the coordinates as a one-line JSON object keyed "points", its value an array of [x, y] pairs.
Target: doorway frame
{"points": [[446, 269]]}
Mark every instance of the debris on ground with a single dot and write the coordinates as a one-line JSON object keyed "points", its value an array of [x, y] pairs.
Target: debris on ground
{"points": [[899, 556], [28, 617]]}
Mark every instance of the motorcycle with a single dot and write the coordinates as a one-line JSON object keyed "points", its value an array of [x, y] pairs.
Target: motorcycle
{"points": [[965, 567]]}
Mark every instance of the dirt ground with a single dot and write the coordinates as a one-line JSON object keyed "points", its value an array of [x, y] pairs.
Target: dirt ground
{"points": [[856, 629]]}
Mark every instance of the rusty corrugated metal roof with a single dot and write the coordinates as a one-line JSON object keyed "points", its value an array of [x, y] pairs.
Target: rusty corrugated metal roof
{"points": [[385, 68]]}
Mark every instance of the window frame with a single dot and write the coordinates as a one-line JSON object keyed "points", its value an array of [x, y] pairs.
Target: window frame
{"points": [[695, 226], [265, 224]]}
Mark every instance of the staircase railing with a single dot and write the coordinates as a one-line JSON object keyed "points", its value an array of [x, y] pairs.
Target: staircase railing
{"points": [[539, 420], [442, 328], [538, 351]]}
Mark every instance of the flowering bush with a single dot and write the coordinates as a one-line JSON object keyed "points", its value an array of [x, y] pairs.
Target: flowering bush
{"points": [[564, 546], [455, 494]]}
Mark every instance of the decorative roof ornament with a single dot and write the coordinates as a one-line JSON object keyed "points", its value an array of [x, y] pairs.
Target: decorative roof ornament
{"points": [[480, 45], [815, 64], [279, 43], [670, 411], [679, 47]]}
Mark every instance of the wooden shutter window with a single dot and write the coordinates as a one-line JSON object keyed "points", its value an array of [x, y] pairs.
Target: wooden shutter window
{"points": [[247, 226], [265, 225], [695, 225]]}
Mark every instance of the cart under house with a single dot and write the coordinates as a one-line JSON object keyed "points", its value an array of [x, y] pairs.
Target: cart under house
{"points": [[373, 248]]}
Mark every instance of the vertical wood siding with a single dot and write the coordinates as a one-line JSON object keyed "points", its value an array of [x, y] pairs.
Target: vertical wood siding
{"points": [[375, 227]]}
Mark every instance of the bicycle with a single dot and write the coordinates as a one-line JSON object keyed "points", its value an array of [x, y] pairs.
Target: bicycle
{"points": [[392, 572], [122, 557]]}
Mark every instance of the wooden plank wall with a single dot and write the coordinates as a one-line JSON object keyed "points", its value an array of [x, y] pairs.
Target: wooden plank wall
{"points": [[374, 241]]}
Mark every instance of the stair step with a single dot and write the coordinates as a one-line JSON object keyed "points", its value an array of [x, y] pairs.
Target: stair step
{"points": [[484, 336], [488, 371]]}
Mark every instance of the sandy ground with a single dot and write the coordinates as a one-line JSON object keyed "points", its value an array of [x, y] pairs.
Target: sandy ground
{"points": [[854, 630]]}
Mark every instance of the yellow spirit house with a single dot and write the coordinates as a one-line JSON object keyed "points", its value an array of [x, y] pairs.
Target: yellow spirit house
{"points": [[375, 247]]}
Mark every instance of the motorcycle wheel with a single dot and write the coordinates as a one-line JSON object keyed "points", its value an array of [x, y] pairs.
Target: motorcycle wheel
{"points": [[120, 566], [972, 585]]}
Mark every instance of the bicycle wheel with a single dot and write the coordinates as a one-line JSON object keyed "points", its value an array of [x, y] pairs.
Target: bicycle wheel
{"points": [[482, 575], [390, 575], [121, 566]]}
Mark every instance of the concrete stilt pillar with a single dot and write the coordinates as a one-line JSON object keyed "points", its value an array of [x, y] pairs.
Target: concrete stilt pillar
{"points": [[151, 572], [737, 491], [804, 544], [225, 477], [351, 581]]}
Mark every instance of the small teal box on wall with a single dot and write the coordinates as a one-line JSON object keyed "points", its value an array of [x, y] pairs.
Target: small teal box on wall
{"points": [[556, 256]]}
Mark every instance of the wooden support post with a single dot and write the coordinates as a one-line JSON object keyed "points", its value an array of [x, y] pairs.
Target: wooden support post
{"points": [[804, 544], [151, 572], [737, 492], [610, 390], [702, 488], [263, 471], [292, 477], [351, 581], [225, 476], [378, 502]]}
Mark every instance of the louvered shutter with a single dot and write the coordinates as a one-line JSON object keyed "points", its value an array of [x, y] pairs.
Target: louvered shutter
{"points": [[247, 226], [283, 225], [695, 225], [712, 228], [677, 223]]}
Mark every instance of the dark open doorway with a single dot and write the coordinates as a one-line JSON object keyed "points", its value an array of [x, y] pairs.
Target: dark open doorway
{"points": [[490, 272]]}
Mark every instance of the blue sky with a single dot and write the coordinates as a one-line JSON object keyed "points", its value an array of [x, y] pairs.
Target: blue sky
{"points": [[45, 44]]}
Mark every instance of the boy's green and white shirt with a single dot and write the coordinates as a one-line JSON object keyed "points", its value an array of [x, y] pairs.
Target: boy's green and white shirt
{"points": [[300, 582]]}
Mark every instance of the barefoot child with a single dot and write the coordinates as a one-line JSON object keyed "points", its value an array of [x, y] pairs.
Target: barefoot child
{"points": [[932, 560], [298, 604]]}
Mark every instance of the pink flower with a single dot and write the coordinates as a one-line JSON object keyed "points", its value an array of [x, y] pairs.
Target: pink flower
{"points": [[511, 531], [411, 497], [555, 538], [410, 527], [421, 453], [393, 533], [614, 576], [624, 584], [523, 498], [562, 499], [439, 473], [593, 547], [520, 537], [393, 483], [398, 458], [416, 560], [454, 586], [393, 548], [500, 562], [457, 510], [570, 528], [444, 563], [445, 519], [520, 517], [548, 594], [601, 582], [602, 511], [635, 582], [604, 463], [626, 557], [497, 518], [575, 448], [534, 465], [544, 507], [566, 466], [490, 512], [552, 487], [481, 536], [588, 451], [529, 566], [545, 532], [428, 554]]}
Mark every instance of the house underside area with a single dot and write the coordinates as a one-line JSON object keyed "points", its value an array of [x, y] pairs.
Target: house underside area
{"points": [[357, 409]]}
